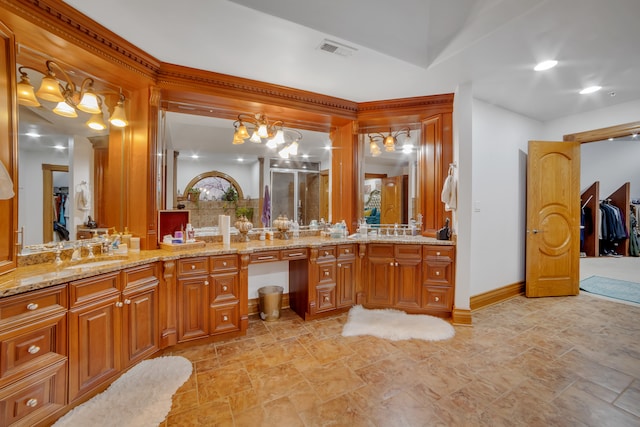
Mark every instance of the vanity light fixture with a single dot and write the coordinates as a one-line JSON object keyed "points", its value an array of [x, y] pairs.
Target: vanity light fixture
{"points": [[258, 128], [68, 97], [96, 122], [389, 142]]}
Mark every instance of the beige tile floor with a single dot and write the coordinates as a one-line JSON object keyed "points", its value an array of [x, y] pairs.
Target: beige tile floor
{"points": [[569, 361]]}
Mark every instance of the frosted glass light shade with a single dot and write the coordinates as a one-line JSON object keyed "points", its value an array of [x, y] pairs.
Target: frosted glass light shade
{"points": [[65, 110], [50, 90]]}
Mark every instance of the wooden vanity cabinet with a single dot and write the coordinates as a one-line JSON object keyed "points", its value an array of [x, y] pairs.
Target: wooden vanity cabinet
{"points": [[346, 276], [438, 279], [208, 296], [33, 358], [113, 324], [393, 278]]}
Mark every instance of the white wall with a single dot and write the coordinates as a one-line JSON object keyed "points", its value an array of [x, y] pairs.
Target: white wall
{"points": [[81, 170], [612, 163], [500, 140]]}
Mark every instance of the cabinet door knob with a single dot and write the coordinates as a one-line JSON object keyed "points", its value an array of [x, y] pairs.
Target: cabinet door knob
{"points": [[225, 287], [326, 298], [326, 253], [396, 264], [224, 263], [34, 349], [119, 304], [437, 299], [346, 251], [437, 273], [206, 283], [326, 273], [339, 265], [391, 264], [193, 267], [32, 306], [127, 301], [437, 253], [32, 403], [225, 318]]}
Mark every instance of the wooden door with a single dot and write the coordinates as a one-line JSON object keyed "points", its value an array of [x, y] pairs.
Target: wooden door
{"points": [[94, 344], [391, 200], [553, 219], [140, 331], [380, 281]]}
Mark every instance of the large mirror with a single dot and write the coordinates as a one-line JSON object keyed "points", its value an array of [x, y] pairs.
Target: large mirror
{"points": [[59, 191], [390, 175], [207, 174]]}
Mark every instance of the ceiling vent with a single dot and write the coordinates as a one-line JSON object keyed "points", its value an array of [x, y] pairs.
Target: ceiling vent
{"points": [[337, 48]]}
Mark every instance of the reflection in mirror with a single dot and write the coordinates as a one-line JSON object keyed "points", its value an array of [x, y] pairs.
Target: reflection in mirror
{"points": [[390, 176], [56, 153], [196, 146]]}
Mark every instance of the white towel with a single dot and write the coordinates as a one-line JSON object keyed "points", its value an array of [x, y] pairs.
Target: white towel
{"points": [[449, 194], [6, 183], [83, 197]]}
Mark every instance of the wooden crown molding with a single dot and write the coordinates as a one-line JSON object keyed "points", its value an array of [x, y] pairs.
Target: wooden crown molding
{"points": [[69, 24]]}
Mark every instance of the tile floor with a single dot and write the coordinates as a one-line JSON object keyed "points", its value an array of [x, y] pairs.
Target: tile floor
{"points": [[570, 361]]}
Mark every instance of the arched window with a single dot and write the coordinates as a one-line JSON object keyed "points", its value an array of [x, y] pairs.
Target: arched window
{"points": [[214, 185]]}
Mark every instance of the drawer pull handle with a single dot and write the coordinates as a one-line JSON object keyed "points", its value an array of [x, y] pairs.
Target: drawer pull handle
{"points": [[346, 251], [437, 299], [225, 287], [296, 254], [127, 301], [225, 318], [32, 403], [437, 273], [206, 283], [32, 306], [391, 264], [326, 298], [119, 304], [326, 253], [326, 273], [437, 253], [193, 267], [224, 263], [339, 265], [34, 349], [262, 258]]}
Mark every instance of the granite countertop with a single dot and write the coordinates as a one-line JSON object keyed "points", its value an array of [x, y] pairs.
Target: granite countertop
{"points": [[39, 276]]}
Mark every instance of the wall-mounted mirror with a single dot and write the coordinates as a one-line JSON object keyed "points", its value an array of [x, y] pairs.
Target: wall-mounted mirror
{"points": [[197, 145], [390, 175], [58, 189]]}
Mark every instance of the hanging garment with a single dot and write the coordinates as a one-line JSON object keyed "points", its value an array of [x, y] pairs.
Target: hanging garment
{"points": [[83, 197], [266, 208], [634, 239], [449, 195]]}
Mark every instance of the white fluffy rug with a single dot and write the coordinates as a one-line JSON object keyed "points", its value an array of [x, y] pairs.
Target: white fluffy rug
{"points": [[396, 325], [140, 397]]}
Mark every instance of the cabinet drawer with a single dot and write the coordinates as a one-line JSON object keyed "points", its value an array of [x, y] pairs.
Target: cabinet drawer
{"points": [[141, 275], [326, 272], [408, 251], [225, 287], [264, 256], [437, 297], [28, 401], [438, 273], [380, 250], [225, 318], [439, 253], [27, 347], [34, 303], [93, 288], [300, 253], [325, 298], [345, 251], [224, 263], [326, 252], [193, 266]]}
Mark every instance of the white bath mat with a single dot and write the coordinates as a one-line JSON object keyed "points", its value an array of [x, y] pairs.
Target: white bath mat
{"points": [[139, 398], [396, 325]]}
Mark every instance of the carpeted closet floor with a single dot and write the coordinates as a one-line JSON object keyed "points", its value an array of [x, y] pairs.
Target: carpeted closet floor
{"points": [[569, 361]]}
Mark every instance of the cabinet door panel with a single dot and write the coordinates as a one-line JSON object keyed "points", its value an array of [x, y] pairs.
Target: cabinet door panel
{"points": [[94, 344], [224, 287], [325, 297], [438, 273], [437, 297], [141, 338], [193, 308], [408, 285], [326, 272], [346, 283], [380, 281]]}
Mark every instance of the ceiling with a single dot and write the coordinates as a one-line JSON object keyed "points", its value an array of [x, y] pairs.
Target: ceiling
{"points": [[399, 49]]}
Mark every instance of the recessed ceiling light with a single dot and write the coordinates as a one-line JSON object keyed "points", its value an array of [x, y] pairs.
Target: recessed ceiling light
{"points": [[194, 156], [305, 156], [545, 65], [590, 89], [59, 147], [240, 159], [33, 134]]}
